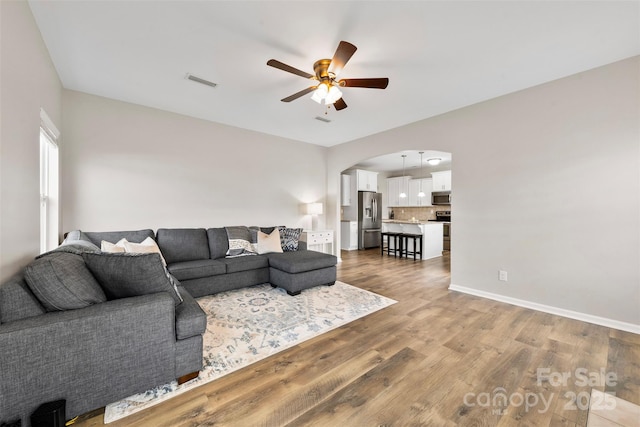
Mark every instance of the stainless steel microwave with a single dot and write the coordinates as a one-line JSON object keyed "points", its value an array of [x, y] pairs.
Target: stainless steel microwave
{"points": [[441, 198]]}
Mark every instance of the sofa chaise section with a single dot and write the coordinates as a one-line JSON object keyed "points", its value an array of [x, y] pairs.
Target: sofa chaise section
{"points": [[300, 270]]}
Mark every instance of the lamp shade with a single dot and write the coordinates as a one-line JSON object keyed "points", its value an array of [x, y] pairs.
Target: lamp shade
{"points": [[312, 209]]}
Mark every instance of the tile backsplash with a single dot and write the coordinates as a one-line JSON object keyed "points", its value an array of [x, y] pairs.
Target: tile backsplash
{"points": [[419, 213]]}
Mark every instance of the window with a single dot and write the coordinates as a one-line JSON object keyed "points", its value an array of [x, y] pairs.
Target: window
{"points": [[49, 191]]}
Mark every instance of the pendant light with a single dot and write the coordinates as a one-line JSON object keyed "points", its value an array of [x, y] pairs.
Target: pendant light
{"points": [[402, 193], [421, 193]]}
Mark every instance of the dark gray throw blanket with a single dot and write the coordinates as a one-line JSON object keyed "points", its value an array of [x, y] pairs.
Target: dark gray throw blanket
{"points": [[242, 241]]}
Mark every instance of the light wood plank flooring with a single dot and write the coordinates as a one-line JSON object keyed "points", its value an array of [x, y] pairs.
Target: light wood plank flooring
{"points": [[436, 358]]}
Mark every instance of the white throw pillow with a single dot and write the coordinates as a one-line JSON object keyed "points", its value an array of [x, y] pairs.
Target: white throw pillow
{"points": [[113, 247], [147, 246], [269, 242]]}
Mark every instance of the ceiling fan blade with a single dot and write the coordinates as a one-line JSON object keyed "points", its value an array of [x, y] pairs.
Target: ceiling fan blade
{"points": [[378, 83], [344, 52], [288, 68], [299, 94], [340, 104]]}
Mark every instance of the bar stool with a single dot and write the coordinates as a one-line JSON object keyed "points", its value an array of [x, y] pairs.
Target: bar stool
{"points": [[397, 243], [394, 231], [411, 232]]}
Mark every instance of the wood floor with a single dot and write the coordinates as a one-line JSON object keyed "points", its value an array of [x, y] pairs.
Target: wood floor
{"points": [[436, 358]]}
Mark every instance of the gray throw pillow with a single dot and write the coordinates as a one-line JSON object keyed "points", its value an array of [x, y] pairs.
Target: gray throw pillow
{"points": [[124, 275], [77, 247], [61, 281]]}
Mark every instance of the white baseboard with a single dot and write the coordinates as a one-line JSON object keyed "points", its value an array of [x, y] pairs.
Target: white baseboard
{"points": [[597, 320]]}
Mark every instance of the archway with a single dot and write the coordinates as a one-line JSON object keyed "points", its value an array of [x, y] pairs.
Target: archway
{"points": [[388, 163]]}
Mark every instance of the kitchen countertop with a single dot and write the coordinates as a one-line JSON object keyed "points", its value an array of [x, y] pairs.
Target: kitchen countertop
{"points": [[405, 221], [408, 221]]}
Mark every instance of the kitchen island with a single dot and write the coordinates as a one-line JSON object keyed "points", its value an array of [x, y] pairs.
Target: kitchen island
{"points": [[432, 235]]}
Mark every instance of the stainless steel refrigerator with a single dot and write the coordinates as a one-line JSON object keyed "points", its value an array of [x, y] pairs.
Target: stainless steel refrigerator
{"points": [[369, 219]]}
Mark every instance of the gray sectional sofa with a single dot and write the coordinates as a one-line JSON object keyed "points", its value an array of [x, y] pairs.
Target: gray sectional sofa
{"points": [[99, 348], [197, 257]]}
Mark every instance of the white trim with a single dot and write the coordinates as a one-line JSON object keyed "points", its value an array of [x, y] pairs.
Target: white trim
{"points": [[597, 320], [47, 124]]}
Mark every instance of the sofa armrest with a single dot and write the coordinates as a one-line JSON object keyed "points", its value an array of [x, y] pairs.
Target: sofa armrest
{"points": [[190, 319], [90, 357]]}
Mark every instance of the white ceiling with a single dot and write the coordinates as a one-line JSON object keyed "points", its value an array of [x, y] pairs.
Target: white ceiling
{"points": [[439, 56]]}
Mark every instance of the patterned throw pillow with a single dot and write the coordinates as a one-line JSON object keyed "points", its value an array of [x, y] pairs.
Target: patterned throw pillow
{"points": [[289, 238], [241, 242]]}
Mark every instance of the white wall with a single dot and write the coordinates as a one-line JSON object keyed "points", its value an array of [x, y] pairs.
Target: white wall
{"points": [[128, 167], [546, 186], [28, 82]]}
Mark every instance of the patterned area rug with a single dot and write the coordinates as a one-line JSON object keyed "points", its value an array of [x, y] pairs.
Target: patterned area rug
{"points": [[250, 324]]}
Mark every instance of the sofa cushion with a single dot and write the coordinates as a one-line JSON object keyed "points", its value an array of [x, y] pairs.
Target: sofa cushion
{"points": [[245, 263], [135, 236], [190, 319], [128, 275], [62, 281], [187, 270], [218, 242], [17, 301], [301, 261], [183, 244]]}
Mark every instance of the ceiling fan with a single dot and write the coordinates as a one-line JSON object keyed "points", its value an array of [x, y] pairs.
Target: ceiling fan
{"points": [[326, 72]]}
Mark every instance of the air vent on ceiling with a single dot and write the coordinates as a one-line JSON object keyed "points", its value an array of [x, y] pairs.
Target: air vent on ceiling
{"points": [[322, 119], [200, 80]]}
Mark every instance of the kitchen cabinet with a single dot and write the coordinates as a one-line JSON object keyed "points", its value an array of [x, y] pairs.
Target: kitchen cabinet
{"points": [[441, 181], [414, 189], [349, 235], [366, 180], [345, 190], [395, 186]]}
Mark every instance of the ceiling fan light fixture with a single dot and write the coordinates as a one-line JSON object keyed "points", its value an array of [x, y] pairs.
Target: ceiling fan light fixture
{"points": [[326, 70], [333, 95], [327, 92], [435, 161], [320, 93]]}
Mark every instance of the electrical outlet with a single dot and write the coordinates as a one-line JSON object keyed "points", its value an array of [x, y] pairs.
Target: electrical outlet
{"points": [[402, 211], [502, 275]]}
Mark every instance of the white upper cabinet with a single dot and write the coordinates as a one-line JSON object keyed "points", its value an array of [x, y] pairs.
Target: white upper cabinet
{"points": [[395, 186], [345, 190], [415, 185], [441, 181], [366, 180]]}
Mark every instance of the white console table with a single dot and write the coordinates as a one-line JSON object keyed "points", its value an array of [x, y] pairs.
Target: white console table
{"points": [[318, 240]]}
